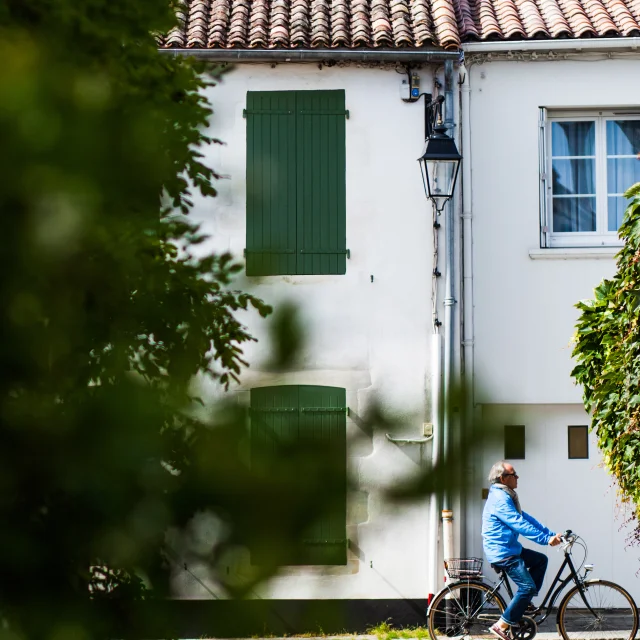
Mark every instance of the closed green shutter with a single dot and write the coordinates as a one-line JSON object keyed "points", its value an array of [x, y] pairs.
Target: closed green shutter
{"points": [[274, 424], [296, 191], [271, 188], [286, 414], [274, 417], [323, 419], [320, 143]]}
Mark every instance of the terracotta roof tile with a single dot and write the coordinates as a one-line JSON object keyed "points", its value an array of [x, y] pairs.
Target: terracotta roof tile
{"points": [[465, 15], [300, 24], [487, 20], [284, 24], [401, 23], [532, 19], [553, 18], [577, 18]]}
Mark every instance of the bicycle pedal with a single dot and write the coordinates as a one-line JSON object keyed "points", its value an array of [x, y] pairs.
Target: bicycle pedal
{"points": [[526, 629]]}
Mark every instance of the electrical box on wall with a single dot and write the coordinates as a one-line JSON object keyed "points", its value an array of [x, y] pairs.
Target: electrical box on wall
{"points": [[405, 90], [410, 87], [415, 85]]}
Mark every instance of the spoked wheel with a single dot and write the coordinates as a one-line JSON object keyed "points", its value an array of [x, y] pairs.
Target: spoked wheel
{"points": [[465, 609], [601, 610]]}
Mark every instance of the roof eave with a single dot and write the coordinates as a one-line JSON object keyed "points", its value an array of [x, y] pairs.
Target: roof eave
{"points": [[317, 55], [576, 45]]}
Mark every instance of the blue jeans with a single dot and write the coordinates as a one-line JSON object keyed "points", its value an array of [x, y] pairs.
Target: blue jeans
{"points": [[526, 571]]}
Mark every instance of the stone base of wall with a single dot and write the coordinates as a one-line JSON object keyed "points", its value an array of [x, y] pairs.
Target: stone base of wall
{"points": [[251, 618]]}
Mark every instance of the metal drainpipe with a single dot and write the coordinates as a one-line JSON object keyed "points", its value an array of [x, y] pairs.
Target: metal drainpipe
{"points": [[449, 325], [467, 264], [436, 445]]}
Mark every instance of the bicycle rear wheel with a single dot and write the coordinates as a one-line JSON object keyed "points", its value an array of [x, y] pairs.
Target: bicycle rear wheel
{"points": [[601, 610], [464, 609]]}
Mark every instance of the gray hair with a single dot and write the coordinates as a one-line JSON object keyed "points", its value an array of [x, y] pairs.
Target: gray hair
{"points": [[496, 471]]}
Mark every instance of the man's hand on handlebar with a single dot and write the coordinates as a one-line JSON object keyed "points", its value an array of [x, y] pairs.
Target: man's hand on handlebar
{"points": [[556, 540]]}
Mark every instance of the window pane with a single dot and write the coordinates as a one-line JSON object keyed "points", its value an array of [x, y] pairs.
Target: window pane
{"points": [[623, 137], [622, 173], [573, 177], [574, 214], [615, 212], [573, 138]]}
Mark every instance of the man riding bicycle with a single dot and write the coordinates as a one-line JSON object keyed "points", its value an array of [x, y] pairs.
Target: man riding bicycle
{"points": [[502, 521]]}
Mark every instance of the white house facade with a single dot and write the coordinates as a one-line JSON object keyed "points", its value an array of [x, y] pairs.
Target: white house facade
{"points": [[539, 135], [322, 196], [368, 328]]}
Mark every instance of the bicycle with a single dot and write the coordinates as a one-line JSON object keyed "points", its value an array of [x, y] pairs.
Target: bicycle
{"points": [[590, 610]]}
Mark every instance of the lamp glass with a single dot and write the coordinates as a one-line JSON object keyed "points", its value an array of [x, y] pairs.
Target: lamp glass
{"points": [[440, 177]]}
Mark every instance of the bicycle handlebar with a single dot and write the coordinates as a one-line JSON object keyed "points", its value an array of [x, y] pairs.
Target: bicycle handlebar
{"points": [[568, 537]]}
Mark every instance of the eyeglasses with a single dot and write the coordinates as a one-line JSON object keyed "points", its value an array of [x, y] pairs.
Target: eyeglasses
{"points": [[515, 475]]}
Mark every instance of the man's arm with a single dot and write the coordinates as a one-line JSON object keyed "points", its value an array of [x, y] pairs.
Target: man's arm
{"points": [[506, 511], [537, 524]]}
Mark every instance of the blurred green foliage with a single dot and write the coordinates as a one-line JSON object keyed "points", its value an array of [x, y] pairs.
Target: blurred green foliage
{"points": [[108, 313]]}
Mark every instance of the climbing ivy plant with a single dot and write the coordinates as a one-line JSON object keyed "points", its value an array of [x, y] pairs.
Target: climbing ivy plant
{"points": [[607, 351]]}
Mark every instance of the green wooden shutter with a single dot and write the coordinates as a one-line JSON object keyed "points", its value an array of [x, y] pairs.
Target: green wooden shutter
{"points": [[271, 183], [296, 189], [287, 414], [323, 419], [274, 423], [321, 190]]}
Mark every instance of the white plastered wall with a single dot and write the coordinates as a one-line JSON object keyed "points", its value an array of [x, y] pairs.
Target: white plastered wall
{"points": [[368, 330], [564, 494], [524, 308]]}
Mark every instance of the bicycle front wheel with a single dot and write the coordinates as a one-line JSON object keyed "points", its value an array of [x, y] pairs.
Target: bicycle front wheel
{"points": [[464, 609], [597, 610]]}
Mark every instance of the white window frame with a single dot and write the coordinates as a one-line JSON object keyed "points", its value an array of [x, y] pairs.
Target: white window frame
{"points": [[601, 237]]}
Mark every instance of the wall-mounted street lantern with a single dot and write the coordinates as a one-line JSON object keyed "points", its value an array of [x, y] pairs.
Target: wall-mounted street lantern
{"points": [[439, 164]]}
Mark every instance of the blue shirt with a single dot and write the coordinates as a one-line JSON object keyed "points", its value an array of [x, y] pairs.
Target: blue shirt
{"points": [[501, 525]]}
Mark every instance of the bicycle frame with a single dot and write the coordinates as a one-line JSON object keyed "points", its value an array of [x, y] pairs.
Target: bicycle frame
{"points": [[544, 610]]}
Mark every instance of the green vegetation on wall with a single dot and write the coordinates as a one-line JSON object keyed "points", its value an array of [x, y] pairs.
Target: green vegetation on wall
{"points": [[607, 350]]}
